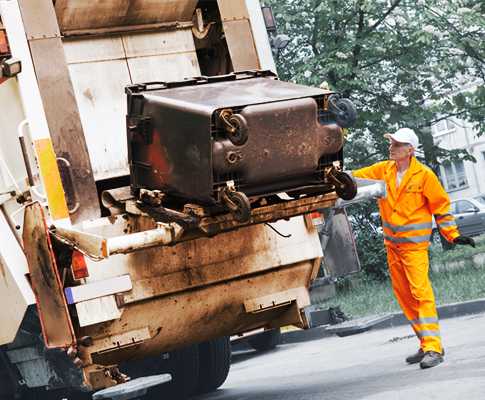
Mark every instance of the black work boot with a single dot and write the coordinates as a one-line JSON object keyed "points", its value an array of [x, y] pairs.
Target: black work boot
{"points": [[431, 359], [415, 358]]}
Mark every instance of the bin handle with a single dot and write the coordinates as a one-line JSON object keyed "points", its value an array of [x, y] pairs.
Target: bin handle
{"points": [[71, 177]]}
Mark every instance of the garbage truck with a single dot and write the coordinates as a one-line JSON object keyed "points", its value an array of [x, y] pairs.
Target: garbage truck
{"points": [[156, 187]]}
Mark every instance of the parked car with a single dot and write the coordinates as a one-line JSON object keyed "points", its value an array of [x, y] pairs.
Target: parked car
{"points": [[470, 218], [480, 198]]}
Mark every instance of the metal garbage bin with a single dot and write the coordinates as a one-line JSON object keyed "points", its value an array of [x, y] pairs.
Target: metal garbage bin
{"points": [[227, 140]]}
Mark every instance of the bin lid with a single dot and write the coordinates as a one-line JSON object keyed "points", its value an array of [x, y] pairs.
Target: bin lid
{"points": [[212, 96]]}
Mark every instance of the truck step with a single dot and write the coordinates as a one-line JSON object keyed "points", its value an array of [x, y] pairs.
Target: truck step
{"points": [[132, 390]]}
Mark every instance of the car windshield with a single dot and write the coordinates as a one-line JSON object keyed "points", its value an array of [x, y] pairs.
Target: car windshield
{"points": [[480, 198]]}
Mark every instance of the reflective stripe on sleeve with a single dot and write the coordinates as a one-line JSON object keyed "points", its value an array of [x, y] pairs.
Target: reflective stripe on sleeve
{"points": [[414, 239], [407, 228], [446, 224]]}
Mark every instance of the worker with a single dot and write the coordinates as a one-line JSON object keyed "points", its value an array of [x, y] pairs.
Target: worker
{"points": [[414, 196]]}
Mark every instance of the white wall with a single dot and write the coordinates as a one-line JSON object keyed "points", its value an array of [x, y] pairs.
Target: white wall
{"points": [[462, 136]]}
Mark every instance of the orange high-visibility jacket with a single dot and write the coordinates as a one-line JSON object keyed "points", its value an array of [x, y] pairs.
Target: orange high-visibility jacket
{"points": [[407, 210]]}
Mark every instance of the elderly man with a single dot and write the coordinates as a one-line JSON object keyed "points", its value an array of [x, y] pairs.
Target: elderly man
{"points": [[414, 196]]}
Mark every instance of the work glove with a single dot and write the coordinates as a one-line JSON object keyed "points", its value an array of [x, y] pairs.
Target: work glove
{"points": [[464, 240]]}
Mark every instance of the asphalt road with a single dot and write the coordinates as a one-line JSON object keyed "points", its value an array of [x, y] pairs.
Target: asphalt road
{"points": [[366, 366]]}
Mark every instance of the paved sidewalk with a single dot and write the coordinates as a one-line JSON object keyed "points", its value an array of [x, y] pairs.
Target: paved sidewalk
{"points": [[392, 320]]}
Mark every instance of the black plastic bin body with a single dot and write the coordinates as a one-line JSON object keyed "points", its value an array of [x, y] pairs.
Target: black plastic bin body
{"points": [[178, 141]]}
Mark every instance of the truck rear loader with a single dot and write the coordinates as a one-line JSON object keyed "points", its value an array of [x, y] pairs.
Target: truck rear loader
{"points": [[156, 185]]}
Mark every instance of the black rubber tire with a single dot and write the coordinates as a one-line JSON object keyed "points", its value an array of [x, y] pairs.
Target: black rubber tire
{"points": [[348, 190], [184, 368], [266, 340], [182, 365], [7, 386], [240, 136], [344, 111], [215, 362], [243, 212], [6, 390]]}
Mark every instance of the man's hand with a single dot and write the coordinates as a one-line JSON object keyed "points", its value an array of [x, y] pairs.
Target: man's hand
{"points": [[464, 240]]}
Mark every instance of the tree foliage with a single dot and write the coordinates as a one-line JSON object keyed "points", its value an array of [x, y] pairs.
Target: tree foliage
{"points": [[403, 62]]}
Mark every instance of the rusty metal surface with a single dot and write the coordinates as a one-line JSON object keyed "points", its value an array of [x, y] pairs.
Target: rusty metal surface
{"points": [[233, 9], [194, 266], [39, 19], [53, 312], [240, 43], [85, 15], [122, 201], [178, 142], [57, 93], [195, 316], [287, 209], [285, 140], [196, 290], [239, 34]]}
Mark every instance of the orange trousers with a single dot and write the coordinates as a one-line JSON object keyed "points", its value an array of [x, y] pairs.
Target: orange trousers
{"points": [[410, 280]]}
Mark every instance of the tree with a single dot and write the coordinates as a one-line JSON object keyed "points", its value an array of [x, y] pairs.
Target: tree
{"points": [[402, 62]]}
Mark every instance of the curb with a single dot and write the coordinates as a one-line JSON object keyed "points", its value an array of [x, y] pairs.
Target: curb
{"points": [[387, 321]]}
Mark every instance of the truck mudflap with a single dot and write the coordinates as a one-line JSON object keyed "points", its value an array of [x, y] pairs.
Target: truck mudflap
{"points": [[338, 244], [337, 239], [54, 316]]}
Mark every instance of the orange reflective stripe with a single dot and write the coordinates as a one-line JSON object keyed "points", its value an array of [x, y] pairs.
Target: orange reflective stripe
{"points": [[51, 178]]}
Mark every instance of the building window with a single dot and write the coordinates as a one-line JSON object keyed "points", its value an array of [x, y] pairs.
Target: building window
{"points": [[444, 126], [454, 176], [483, 155]]}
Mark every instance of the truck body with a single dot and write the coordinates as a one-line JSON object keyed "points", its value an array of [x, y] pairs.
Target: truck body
{"points": [[88, 280]]}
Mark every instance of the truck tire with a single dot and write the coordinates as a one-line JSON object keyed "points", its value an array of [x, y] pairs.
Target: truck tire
{"points": [[214, 362], [7, 385], [6, 391], [183, 365], [266, 340]]}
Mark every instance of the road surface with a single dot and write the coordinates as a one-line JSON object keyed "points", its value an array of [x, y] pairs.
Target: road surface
{"points": [[366, 366]]}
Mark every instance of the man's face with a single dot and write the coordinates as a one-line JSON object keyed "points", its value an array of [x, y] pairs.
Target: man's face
{"points": [[399, 151]]}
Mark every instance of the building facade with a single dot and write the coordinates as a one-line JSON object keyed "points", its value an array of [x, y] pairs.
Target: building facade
{"points": [[461, 178]]}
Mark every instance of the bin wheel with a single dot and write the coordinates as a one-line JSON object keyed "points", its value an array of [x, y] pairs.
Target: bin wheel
{"points": [[345, 186], [238, 135], [344, 111], [241, 207]]}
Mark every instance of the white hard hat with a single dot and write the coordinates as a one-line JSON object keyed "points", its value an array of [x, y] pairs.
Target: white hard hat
{"points": [[404, 135]]}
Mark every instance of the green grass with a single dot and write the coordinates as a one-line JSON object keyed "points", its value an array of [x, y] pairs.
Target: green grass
{"points": [[458, 253], [364, 297]]}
